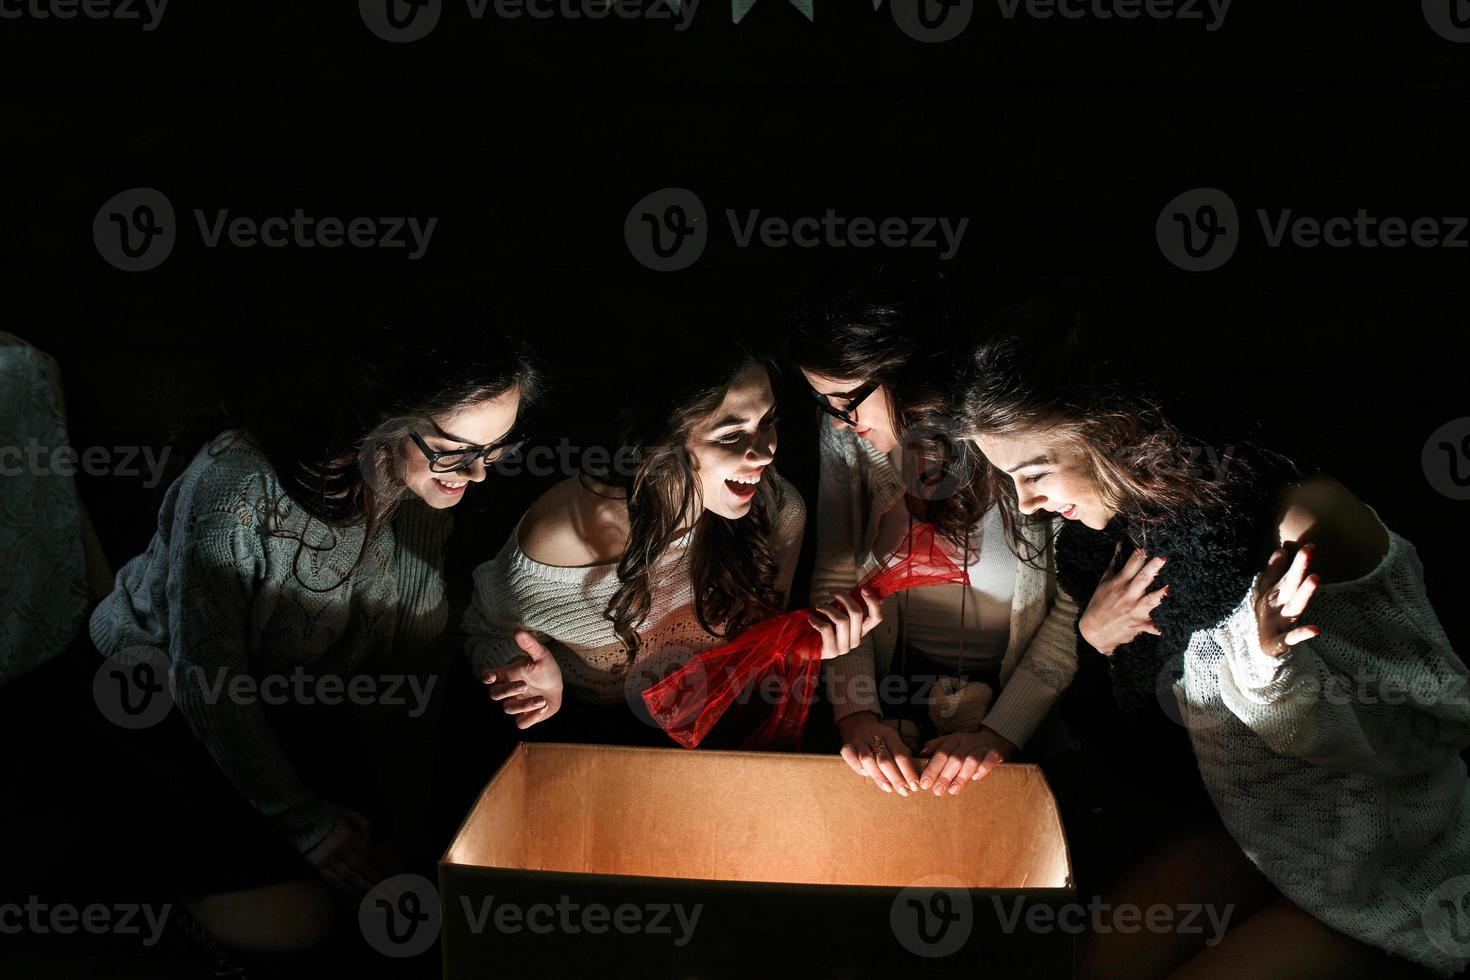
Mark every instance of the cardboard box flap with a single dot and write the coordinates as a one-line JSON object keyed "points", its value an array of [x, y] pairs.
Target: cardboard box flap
{"points": [[761, 817]]}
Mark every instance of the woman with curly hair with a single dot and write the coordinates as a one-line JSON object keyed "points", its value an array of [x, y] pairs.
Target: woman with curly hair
{"points": [[1274, 615], [611, 580]]}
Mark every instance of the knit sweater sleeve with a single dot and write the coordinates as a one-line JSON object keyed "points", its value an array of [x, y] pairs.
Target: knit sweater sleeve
{"points": [[494, 613], [851, 686], [215, 563], [1379, 692]]}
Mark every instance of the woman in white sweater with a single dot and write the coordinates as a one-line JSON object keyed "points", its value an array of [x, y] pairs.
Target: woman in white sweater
{"points": [[608, 583], [1291, 631], [977, 667]]}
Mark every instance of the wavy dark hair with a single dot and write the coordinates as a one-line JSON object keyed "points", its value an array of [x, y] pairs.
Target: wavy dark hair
{"points": [[1041, 370], [897, 329], [734, 564], [333, 429]]}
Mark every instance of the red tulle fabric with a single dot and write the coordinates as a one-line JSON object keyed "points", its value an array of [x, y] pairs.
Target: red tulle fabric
{"points": [[689, 701]]}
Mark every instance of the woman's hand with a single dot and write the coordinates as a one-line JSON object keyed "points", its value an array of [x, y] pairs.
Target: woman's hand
{"points": [[1281, 603], [960, 758], [344, 858], [1122, 606], [529, 687], [886, 762], [843, 623]]}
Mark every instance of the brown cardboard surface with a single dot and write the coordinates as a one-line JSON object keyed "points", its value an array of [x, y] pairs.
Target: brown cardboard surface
{"points": [[756, 817]]}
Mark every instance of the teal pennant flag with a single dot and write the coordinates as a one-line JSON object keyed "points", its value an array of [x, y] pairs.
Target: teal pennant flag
{"points": [[739, 8]]}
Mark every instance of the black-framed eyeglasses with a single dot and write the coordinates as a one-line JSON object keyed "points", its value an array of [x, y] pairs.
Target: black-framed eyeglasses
{"points": [[462, 459], [853, 398]]}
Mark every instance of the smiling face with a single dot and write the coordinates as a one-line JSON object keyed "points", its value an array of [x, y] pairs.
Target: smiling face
{"points": [[733, 445], [1049, 476], [477, 426], [872, 419]]}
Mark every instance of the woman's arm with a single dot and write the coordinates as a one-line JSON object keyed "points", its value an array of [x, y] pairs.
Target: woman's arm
{"points": [[213, 563], [1380, 690], [1045, 670]]}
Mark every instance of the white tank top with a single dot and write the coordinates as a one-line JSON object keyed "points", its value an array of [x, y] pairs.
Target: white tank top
{"points": [[931, 615]]}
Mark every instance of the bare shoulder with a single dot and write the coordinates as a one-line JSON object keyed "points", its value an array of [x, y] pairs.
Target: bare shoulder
{"points": [[1347, 538], [571, 527]]}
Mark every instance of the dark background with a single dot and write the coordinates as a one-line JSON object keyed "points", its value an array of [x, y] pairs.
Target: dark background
{"points": [[530, 141], [1061, 140]]}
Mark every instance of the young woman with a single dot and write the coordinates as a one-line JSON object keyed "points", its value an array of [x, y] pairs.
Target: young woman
{"points": [[306, 547], [881, 374], [1279, 616], [610, 581]]}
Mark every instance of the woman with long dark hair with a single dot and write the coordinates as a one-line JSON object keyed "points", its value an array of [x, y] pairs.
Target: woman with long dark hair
{"points": [[610, 580], [1274, 615], [305, 547], [977, 668]]}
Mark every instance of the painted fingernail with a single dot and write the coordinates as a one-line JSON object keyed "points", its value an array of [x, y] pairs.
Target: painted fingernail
{"points": [[926, 783]]}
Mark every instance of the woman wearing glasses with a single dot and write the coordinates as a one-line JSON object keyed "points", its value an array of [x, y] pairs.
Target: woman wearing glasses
{"points": [[974, 669], [292, 559], [609, 581]]}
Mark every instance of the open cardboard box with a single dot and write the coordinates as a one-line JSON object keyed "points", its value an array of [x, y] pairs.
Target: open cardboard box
{"points": [[605, 860]]}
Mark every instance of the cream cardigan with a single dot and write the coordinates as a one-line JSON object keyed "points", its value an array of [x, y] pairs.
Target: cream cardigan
{"points": [[857, 485]]}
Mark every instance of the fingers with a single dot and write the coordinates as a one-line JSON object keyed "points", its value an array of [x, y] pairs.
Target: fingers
{"points": [[1301, 634], [499, 692], [534, 648], [1149, 627], [1113, 562], [1297, 603], [1151, 600], [966, 773], [1295, 572], [515, 670], [873, 772], [855, 616], [828, 632], [908, 771], [875, 610], [931, 772], [851, 757], [1146, 573], [991, 760], [1134, 563], [529, 718], [889, 768], [358, 822], [524, 705]]}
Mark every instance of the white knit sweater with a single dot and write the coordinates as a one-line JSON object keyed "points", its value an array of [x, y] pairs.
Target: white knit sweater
{"points": [[564, 607], [1337, 766], [858, 484]]}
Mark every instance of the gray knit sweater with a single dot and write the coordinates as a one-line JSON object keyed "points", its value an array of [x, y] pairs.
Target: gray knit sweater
{"points": [[216, 592]]}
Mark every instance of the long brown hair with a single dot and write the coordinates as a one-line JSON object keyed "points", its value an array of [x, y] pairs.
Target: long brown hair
{"points": [[333, 434], [734, 564], [896, 330], [1041, 372]]}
